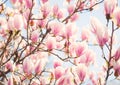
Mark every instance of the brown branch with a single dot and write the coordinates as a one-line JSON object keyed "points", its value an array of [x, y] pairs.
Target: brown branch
{"points": [[6, 44], [110, 55]]}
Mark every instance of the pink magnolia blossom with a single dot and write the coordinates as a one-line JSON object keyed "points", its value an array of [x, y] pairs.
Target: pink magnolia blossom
{"points": [[10, 23], [13, 1], [71, 9], [68, 1], [45, 9], [34, 36], [109, 7], [55, 10], [117, 54], [116, 16], [28, 66], [100, 31], [42, 23], [117, 68], [59, 71], [10, 81], [57, 63], [28, 3], [10, 66], [44, 1], [80, 49], [74, 17], [56, 28], [85, 35], [51, 43], [60, 14], [66, 79], [26, 14], [18, 21], [39, 66], [81, 72], [88, 58], [69, 30]]}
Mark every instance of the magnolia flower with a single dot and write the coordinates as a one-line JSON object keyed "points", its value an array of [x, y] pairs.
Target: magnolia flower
{"points": [[55, 10], [66, 79], [71, 9], [88, 57], [80, 49], [56, 28], [109, 7], [13, 1], [100, 31], [74, 17], [28, 66], [10, 65], [57, 63], [44, 1], [59, 71], [28, 3], [45, 9], [85, 35], [117, 68], [51, 43], [116, 16], [34, 36], [81, 71], [117, 54], [10, 81], [39, 66], [69, 30], [42, 23], [60, 14], [18, 21]]}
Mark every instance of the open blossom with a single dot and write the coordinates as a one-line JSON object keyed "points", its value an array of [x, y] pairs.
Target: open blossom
{"points": [[56, 28], [116, 16], [117, 68], [80, 49], [34, 36], [59, 71], [57, 63], [88, 57], [60, 14], [39, 66], [44, 1], [117, 54], [66, 79], [100, 31], [28, 66], [55, 10], [13, 1], [18, 21], [51, 43], [69, 30], [42, 23], [74, 17], [85, 35], [10, 81], [45, 9], [28, 3], [10, 65], [109, 7], [71, 9], [81, 71]]}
